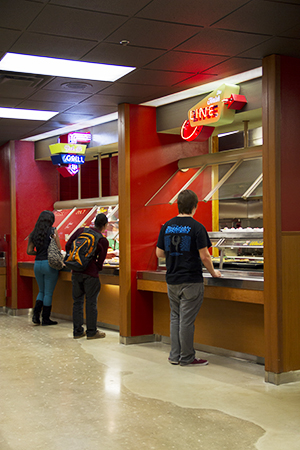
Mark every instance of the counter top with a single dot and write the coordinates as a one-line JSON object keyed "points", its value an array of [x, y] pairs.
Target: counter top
{"points": [[230, 278]]}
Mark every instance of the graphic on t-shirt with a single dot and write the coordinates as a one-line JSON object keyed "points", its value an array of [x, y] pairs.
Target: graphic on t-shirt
{"points": [[177, 241]]}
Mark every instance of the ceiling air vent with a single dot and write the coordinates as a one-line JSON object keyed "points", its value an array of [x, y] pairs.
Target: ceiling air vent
{"points": [[20, 80]]}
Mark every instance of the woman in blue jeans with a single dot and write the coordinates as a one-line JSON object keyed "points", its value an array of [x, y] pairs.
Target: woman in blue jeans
{"points": [[46, 276]]}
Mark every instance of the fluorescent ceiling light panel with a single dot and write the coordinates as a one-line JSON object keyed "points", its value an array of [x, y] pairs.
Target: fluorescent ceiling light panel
{"points": [[75, 127], [206, 88], [15, 62], [26, 114]]}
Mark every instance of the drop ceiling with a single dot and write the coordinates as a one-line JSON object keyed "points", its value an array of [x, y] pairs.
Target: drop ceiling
{"points": [[174, 45]]}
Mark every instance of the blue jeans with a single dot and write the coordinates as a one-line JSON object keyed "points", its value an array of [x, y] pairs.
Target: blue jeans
{"points": [[46, 278], [185, 302], [84, 285]]}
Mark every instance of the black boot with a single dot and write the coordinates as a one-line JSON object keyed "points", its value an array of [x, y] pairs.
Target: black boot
{"points": [[46, 316], [37, 312]]}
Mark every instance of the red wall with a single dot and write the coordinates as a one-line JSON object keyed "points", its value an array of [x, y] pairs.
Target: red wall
{"points": [[89, 180], [290, 153], [36, 190], [5, 221], [154, 159]]}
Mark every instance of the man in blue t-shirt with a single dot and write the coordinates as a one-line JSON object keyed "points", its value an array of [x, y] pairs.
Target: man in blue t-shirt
{"points": [[184, 243]]}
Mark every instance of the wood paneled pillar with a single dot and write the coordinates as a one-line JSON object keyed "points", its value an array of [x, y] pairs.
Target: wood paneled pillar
{"points": [[124, 219], [281, 287]]}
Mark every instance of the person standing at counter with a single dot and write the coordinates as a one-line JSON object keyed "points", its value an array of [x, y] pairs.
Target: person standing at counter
{"points": [[86, 283], [184, 243], [46, 276]]}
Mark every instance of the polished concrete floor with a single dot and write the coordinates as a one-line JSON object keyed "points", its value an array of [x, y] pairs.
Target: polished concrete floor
{"points": [[58, 393]]}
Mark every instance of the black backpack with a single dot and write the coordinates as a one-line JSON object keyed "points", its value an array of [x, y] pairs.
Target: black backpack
{"points": [[82, 250]]}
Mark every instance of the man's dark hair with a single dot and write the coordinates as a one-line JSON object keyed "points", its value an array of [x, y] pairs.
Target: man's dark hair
{"points": [[187, 200], [100, 221]]}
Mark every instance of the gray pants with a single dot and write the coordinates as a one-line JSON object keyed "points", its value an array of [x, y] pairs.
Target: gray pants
{"points": [[185, 302]]}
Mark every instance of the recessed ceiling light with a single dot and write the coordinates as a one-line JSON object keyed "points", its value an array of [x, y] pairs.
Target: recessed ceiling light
{"points": [[26, 114], [16, 62]]}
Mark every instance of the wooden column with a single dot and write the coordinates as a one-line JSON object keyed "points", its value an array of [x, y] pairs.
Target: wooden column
{"points": [[280, 158], [124, 220]]}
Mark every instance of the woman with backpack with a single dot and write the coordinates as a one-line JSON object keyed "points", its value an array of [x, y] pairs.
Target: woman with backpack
{"points": [[46, 276]]}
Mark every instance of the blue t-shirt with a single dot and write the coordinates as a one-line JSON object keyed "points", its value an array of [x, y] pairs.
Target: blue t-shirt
{"points": [[181, 238]]}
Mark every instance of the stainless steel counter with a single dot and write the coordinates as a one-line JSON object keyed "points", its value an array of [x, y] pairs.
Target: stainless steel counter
{"points": [[230, 278]]}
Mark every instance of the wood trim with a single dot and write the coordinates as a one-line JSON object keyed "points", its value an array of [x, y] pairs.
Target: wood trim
{"points": [[271, 110], [124, 218], [213, 292], [152, 286], [290, 300], [13, 218]]}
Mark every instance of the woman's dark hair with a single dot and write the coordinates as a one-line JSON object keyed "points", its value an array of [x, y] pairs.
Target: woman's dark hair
{"points": [[45, 221], [100, 221], [187, 200]]}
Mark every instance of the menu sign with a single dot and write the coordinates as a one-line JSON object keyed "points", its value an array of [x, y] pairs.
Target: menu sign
{"points": [[216, 109]]}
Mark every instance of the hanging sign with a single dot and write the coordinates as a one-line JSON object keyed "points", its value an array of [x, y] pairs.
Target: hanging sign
{"points": [[67, 148], [68, 171], [65, 158], [216, 109], [76, 137]]}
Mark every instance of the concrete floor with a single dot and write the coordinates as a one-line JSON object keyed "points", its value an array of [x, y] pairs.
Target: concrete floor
{"points": [[58, 393]]}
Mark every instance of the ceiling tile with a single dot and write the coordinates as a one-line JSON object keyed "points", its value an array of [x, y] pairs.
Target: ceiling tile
{"points": [[61, 21], [127, 8], [153, 34], [94, 110], [52, 46], [276, 45], [18, 14], [264, 17], [45, 95], [7, 38], [70, 119], [221, 42], [155, 77], [186, 62], [75, 85], [195, 12], [114, 53], [44, 106], [236, 65], [136, 93]]}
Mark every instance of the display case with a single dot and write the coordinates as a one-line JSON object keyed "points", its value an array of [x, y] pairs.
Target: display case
{"points": [[67, 221], [240, 248]]}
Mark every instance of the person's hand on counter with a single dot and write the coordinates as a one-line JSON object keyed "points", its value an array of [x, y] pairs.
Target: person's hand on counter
{"points": [[207, 262]]}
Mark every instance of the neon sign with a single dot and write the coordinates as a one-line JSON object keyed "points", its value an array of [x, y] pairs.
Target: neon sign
{"points": [[216, 109], [64, 158], [68, 171], [76, 138], [67, 148]]}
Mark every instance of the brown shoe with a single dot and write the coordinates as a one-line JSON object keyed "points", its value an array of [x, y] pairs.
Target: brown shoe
{"points": [[98, 335]]}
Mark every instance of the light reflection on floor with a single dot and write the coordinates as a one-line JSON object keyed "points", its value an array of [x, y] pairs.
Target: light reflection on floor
{"points": [[58, 393]]}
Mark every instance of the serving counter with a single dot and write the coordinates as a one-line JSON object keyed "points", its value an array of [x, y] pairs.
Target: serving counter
{"points": [[108, 300], [231, 319]]}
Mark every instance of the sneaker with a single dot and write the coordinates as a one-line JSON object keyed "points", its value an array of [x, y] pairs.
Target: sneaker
{"points": [[175, 363], [199, 362], [78, 336], [98, 335]]}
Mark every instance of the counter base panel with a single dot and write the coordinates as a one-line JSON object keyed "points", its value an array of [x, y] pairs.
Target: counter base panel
{"points": [[62, 304], [230, 325]]}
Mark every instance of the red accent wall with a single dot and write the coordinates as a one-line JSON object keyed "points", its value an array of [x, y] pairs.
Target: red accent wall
{"points": [[5, 221], [290, 152], [36, 190], [89, 180], [153, 159]]}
